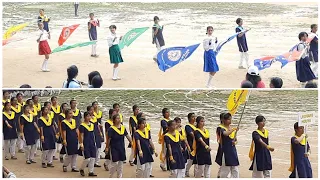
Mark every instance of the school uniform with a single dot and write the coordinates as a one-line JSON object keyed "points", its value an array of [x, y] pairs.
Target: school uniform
{"points": [[73, 84], [89, 146], [18, 113], [49, 144], [209, 57], [158, 38], [98, 137], [300, 165], [243, 47], [57, 111], [314, 53], [77, 116], [218, 131], [260, 156], [175, 143], [190, 128], [37, 108], [203, 157], [72, 143], [107, 163], [98, 115], [227, 156], [22, 103], [35, 115], [303, 70], [29, 136], [162, 132], [44, 47], [185, 151], [93, 34], [132, 124], [10, 134], [45, 20], [144, 162], [56, 117], [117, 150]]}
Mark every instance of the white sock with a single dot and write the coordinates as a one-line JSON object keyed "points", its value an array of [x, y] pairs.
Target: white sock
{"points": [[95, 49], [209, 80], [44, 64], [246, 55], [114, 73], [92, 50]]}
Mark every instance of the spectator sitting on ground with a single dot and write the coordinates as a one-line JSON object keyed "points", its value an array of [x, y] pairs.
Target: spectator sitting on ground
{"points": [[25, 86], [246, 84], [254, 77], [90, 77], [97, 81], [276, 82]]}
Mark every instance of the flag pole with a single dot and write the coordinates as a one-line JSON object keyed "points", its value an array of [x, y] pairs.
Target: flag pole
{"points": [[244, 107]]}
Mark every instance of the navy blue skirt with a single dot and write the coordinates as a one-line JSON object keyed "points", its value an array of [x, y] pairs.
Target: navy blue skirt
{"points": [[303, 70], [210, 62]]}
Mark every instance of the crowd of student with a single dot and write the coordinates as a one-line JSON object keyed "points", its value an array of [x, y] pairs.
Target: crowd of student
{"points": [[53, 128]]}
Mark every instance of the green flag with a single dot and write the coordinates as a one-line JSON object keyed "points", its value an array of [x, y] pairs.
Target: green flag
{"points": [[66, 47], [130, 36]]}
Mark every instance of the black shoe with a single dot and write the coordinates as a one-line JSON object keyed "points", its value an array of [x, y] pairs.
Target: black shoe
{"points": [[82, 172], [32, 161], [105, 167], [61, 159], [64, 168], [50, 165], [54, 158], [163, 168], [28, 162], [14, 158], [44, 165], [131, 163], [92, 174], [74, 170], [151, 176], [97, 165], [124, 162]]}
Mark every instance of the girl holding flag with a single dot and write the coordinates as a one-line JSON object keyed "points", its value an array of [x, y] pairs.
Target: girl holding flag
{"points": [[115, 145], [93, 35], [48, 137], [260, 151], [157, 36], [227, 156], [107, 125], [44, 48], [190, 129], [133, 122], [9, 131], [70, 141], [87, 144], [144, 149], [210, 62], [174, 154], [163, 130], [114, 51], [300, 164], [203, 157], [242, 43]]}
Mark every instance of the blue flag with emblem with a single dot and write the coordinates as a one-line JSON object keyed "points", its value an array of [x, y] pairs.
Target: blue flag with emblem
{"points": [[169, 57]]}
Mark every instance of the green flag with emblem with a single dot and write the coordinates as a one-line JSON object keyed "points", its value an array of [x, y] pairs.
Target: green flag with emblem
{"points": [[130, 36]]}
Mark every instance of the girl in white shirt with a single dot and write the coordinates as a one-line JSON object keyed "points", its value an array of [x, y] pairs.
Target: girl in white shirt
{"points": [[44, 48], [210, 62], [114, 51]]}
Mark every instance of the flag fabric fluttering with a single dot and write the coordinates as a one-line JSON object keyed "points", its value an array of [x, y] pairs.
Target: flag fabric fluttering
{"points": [[13, 30], [130, 36], [264, 62], [66, 47], [291, 56], [236, 98], [10, 40], [169, 57], [66, 33], [222, 43]]}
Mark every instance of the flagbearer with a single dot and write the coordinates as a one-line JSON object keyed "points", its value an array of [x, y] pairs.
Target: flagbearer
{"points": [[260, 151], [114, 51], [300, 164], [314, 49], [210, 62], [157, 37], [93, 34], [44, 19], [44, 48], [242, 44]]}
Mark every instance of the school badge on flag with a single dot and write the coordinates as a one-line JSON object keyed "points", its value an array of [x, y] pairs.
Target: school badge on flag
{"points": [[169, 57], [66, 33], [236, 98], [130, 36]]}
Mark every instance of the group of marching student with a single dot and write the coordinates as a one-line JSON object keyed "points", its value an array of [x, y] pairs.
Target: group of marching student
{"points": [[54, 127]]}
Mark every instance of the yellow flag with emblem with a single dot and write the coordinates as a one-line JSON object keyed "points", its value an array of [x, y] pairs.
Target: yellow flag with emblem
{"points": [[14, 29], [236, 98]]}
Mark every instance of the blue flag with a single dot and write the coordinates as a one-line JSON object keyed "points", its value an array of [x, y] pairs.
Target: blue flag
{"points": [[222, 43], [262, 64], [284, 61], [169, 57]]}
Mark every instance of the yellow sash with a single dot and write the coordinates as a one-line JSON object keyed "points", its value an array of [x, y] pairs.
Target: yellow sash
{"points": [[29, 119], [71, 125], [76, 113], [183, 135], [161, 140], [37, 107], [148, 127], [89, 128], [194, 144], [99, 115], [144, 134], [44, 18], [46, 122], [121, 131], [23, 103], [204, 133], [110, 122], [265, 135], [303, 142], [63, 115], [232, 135], [135, 120], [51, 114], [56, 109], [94, 120], [16, 110], [11, 116], [175, 138], [34, 112], [121, 117], [4, 101]]}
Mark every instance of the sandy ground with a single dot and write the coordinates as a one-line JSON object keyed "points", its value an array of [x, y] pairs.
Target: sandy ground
{"points": [[270, 35]]}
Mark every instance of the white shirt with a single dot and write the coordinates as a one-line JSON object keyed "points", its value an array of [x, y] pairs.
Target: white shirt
{"points": [[111, 40], [210, 43], [76, 2], [43, 34], [303, 47]]}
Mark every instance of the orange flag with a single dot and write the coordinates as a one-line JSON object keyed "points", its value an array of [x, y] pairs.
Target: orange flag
{"points": [[66, 33]]}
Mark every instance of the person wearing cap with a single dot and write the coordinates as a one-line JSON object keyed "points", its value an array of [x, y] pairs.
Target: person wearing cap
{"points": [[260, 149], [254, 77], [157, 37], [300, 164]]}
